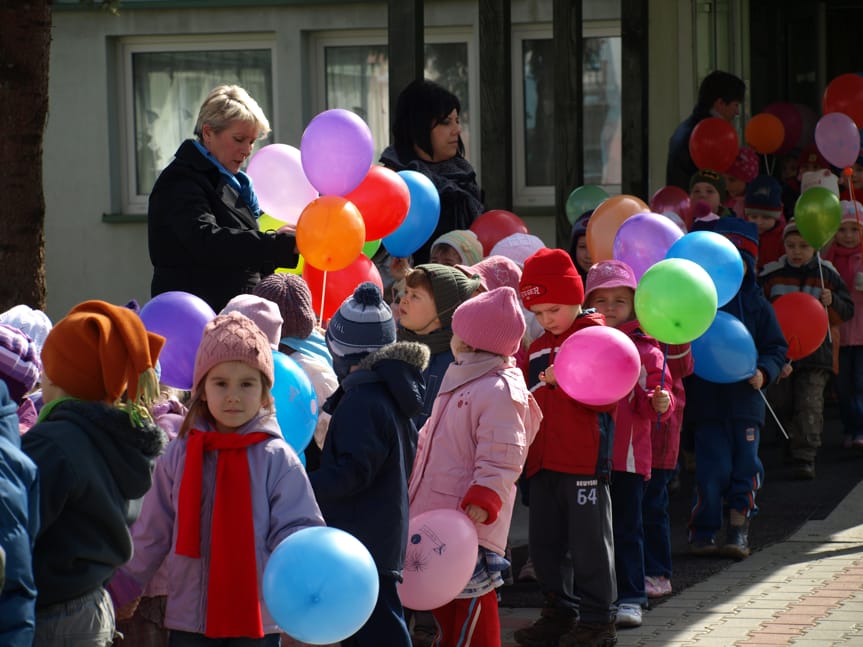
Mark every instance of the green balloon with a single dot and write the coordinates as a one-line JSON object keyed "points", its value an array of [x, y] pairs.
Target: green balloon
{"points": [[371, 247], [675, 301], [818, 215], [582, 199]]}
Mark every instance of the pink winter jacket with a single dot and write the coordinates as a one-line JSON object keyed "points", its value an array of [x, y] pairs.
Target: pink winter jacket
{"points": [[473, 446], [635, 418]]}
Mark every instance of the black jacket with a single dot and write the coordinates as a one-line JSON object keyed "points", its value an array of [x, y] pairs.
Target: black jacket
{"points": [[361, 485], [94, 467], [679, 167], [202, 237]]}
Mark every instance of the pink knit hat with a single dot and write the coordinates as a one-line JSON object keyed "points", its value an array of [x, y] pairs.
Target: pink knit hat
{"points": [[232, 337], [263, 312], [517, 247], [609, 274], [491, 321], [495, 272], [19, 362]]}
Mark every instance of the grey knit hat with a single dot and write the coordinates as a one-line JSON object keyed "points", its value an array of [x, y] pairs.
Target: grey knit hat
{"points": [[362, 324], [450, 288], [291, 293]]}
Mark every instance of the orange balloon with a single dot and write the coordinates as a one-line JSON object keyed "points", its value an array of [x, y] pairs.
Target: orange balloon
{"points": [[330, 233], [765, 133], [606, 220]]}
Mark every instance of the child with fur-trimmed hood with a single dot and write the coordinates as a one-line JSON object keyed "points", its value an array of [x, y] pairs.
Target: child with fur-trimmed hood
{"points": [[361, 484]]}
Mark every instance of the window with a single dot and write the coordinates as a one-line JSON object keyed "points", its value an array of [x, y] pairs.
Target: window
{"points": [[353, 68], [165, 81], [533, 118]]}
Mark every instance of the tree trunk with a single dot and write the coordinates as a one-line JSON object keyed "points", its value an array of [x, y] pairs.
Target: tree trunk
{"points": [[25, 38]]}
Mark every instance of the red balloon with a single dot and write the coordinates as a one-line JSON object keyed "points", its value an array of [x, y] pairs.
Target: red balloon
{"points": [[495, 225], [845, 94], [675, 200], [714, 144], [383, 199], [803, 320], [790, 117], [339, 284]]}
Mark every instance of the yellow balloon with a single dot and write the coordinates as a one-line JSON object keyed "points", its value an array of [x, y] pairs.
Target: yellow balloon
{"points": [[292, 270], [267, 223]]}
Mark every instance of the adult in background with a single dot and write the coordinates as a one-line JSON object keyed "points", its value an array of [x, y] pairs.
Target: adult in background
{"points": [[202, 218], [427, 139], [719, 95]]}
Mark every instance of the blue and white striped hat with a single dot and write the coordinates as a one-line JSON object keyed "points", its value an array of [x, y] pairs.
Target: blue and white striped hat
{"points": [[362, 324]]}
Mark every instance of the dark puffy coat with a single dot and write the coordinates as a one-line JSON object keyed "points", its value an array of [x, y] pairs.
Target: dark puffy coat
{"points": [[361, 485], [202, 237]]}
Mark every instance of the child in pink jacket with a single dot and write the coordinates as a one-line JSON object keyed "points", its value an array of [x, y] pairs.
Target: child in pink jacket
{"points": [[611, 290], [471, 452]]}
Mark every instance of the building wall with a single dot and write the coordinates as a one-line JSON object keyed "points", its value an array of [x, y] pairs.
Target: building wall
{"points": [[88, 256]]}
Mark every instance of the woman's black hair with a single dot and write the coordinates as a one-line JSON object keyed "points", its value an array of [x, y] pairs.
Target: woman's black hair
{"points": [[421, 106]]}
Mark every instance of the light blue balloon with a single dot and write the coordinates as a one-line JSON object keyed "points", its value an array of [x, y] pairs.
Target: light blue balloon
{"points": [[717, 255], [422, 217], [726, 353], [295, 400], [320, 585]]}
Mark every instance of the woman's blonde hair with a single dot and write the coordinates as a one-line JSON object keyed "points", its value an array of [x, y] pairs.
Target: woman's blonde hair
{"points": [[198, 406], [229, 103]]}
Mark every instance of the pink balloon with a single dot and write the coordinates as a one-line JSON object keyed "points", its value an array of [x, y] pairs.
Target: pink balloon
{"points": [[597, 365], [808, 119], [440, 558], [337, 151], [281, 185], [644, 239], [791, 120], [838, 139]]}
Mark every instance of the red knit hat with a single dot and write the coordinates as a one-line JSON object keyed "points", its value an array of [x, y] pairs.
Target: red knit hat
{"points": [[492, 322], [550, 277], [232, 337], [98, 350]]}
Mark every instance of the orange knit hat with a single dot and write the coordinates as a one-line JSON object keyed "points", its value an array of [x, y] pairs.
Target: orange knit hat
{"points": [[99, 351]]}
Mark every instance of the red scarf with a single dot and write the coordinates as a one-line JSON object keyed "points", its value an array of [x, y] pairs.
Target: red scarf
{"points": [[233, 607]]}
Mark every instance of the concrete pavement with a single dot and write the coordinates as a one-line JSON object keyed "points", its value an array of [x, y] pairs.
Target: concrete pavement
{"points": [[804, 591]]}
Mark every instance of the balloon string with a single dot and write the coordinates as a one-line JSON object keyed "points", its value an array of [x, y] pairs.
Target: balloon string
{"points": [[662, 380], [773, 413], [323, 298], [821, 274], [769, 164]]}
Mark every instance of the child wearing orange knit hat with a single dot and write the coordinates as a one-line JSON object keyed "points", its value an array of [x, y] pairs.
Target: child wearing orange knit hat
{"points": [[95, 453]]}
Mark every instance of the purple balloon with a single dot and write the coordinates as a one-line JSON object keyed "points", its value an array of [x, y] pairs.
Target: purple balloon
{"points": [[336, 150], [838, 139], [180, 318], [279, 181], [643, 240]]}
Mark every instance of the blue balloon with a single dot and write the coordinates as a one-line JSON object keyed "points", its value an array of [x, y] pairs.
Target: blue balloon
{"points": [[320, 585], [295, 400], [717, 255], [421, 219], [726, 352]]}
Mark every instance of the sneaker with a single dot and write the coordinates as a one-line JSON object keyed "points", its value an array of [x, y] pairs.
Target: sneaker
{"points": [[803, 470], [736, 542], [628, 615], [585, 634], [657, 586], [527, 574], [704, 547], [553, 623]]}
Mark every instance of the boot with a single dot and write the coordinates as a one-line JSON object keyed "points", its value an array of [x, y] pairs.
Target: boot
{"points": [[553, 623], [737, 537], [591, 635]]}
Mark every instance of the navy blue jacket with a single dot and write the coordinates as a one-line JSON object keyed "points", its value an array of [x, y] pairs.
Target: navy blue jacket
{"points": [[361, 485], [202, 238], [19, 522], [709, 401], [679, 167]]}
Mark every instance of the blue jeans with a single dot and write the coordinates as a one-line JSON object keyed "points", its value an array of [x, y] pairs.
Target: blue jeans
{"points": [[627, 494], [188, 639], [728, 473], [657, 525], [850, 390]]}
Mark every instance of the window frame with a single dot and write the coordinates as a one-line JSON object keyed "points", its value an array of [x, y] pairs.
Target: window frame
{"points": [[134, 203], [539, 196], [320, 40]]}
